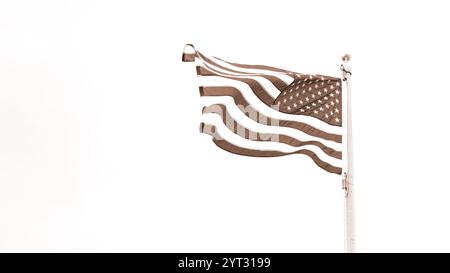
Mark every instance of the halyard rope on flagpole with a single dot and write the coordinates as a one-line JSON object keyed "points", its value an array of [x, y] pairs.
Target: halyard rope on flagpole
{"points": [[347, 180]]}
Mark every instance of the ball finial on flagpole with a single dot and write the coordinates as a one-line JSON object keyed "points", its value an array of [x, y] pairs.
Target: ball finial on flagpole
{"points": [[346, 57]]}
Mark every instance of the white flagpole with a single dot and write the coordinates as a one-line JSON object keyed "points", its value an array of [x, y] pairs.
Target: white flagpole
{"points": [[347, 181]]}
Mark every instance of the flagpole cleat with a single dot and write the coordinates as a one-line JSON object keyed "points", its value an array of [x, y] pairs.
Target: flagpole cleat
{"points": [[189, 53], [345, 67], [345, 185]]}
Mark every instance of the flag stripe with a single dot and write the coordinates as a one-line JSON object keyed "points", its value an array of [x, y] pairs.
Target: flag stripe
{"points": [[232, 148], [253, 66], [268, 85], [240, 100], [286, 76], [238, 128], [254, 85], [282, 80]]}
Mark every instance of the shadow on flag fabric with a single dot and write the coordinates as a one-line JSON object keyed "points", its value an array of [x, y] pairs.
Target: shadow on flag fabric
{"points": [[263, 111]]}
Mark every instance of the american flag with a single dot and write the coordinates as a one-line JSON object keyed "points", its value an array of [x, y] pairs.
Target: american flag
{"points": [[263, 111]]}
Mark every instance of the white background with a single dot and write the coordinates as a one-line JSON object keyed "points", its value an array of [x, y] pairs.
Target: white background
{"points": [[99, 142]]}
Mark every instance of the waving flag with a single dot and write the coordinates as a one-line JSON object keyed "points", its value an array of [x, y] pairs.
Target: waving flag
{"points": [[263, 111]]}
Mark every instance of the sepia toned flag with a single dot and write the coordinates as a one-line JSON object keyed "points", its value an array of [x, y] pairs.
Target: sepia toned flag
{"points": [[263, 111]]}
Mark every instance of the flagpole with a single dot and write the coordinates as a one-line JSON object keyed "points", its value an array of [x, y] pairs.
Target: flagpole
{"points": [[347, 180]]}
